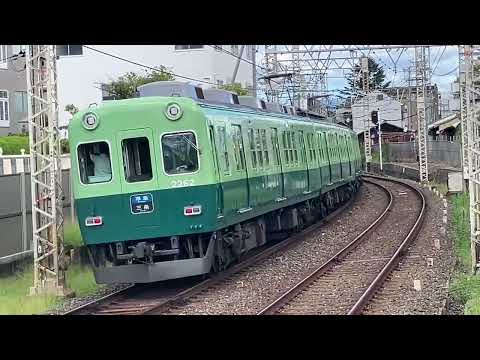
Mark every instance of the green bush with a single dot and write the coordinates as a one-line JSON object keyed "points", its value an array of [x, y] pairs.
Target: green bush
{"points": [[11, 145], [464, 287], [65, 146], [72, 238]]}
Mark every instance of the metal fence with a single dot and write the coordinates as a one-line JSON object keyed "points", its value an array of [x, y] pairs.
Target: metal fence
{"points": [[16, 206], [446, 152]]}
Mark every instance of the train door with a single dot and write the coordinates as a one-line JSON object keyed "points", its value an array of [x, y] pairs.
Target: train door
{"points": [[216, 152], [138, 180], [328, 156], [241, 192], [321, 159], [277, 163], [303, 155]]}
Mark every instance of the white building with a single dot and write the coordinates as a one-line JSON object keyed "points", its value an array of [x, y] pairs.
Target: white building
{"points": [[389, 111], [82, 71]]}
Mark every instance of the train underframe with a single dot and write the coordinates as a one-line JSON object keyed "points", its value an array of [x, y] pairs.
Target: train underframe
{"points": [[151, 260]]}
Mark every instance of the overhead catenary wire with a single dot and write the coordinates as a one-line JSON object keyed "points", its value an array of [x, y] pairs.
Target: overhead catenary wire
{"points": [[148, 67]]}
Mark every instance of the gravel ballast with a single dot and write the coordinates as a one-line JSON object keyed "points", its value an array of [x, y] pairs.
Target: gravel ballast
{"points": [[419, 284], [250, 291]]}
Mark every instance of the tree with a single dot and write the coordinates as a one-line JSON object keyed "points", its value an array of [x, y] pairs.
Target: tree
{"points": [[236, 88], [376, 79], [126, 86], [72, 109]]}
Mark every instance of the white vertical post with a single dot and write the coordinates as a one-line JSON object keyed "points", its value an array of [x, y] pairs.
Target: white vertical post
{"points": [[366, 112], [471, 61], [421, 81], [380, 139]]}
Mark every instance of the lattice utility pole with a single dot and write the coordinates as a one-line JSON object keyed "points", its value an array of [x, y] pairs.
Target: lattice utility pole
{"points": [[45, 169], [422, 80], [271, 64], [471, 106], [463, 52], [366, 111]]}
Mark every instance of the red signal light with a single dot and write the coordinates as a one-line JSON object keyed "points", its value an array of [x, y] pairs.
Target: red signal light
{"points": [[93, 221], [192, 210]]}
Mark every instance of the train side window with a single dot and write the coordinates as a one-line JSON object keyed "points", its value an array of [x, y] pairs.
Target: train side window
{"points": [[285, 147], [319, 146], [273, 136], [238, 147], [293, 144], [137, 164], [94, 162], [180, 153], [301, 144], [263, 133], [258, 142], [222, 147], [251, 140]]}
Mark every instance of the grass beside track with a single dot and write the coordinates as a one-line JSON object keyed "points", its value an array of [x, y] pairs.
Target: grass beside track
{"points": [[11, 145], [464, 287], [14, 299]]}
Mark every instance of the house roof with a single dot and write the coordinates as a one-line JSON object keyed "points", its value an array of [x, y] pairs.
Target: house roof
{"points": [[445, 123]]}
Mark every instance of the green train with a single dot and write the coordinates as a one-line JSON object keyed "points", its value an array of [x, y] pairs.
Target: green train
{"points": [[182, 181]]}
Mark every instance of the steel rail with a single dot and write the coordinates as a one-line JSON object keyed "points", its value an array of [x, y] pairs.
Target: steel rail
{"points": [[394, 260], [215, 279], [305, 282]]}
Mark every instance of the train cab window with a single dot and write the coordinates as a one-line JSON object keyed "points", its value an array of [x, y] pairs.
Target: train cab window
{"points": [[180, 153], [137, 164], [94, 162]]}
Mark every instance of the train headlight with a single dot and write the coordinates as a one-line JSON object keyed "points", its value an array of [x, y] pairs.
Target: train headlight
{"points": [[90, 121], [173, 111]]}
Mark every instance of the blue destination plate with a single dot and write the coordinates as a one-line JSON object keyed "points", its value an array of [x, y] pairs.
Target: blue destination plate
{"points": [[141, 203]]}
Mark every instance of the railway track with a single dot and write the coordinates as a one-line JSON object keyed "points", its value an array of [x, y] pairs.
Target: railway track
{"points": [[347, 281], [154, 299]]}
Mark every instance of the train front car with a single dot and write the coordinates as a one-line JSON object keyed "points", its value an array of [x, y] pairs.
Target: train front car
{"points": [[143, 183]]}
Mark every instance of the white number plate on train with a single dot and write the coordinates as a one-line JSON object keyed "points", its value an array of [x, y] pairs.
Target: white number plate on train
{"points": [[182, 183]]}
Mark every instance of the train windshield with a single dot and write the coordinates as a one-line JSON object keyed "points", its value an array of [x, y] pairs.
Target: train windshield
{"points": [[180, 153], [94, 162]]}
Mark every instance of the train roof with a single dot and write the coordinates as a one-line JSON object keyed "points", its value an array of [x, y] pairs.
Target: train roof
{"points": [[203, 103]]}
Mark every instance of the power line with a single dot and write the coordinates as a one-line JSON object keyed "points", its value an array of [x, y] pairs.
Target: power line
{"points": [[146, 66], [448, 73], [440, 58], [242, 59]]}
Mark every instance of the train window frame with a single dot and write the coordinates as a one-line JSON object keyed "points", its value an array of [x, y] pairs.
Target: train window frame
{"points": [[274, 141], [149, 156], [252, 147], [197, 151], [266, 157], [258, 146], [285, 147], [222, 140], [295, 148], [78, 163], [237, 138]]}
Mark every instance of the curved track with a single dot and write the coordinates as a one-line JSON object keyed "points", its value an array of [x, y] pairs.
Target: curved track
{"points": [[349, 280], [158, 298]]}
